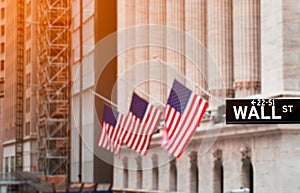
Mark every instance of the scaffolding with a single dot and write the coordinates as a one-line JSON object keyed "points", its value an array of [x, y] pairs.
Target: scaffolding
{"points": [[20, 86], [54, 87]]}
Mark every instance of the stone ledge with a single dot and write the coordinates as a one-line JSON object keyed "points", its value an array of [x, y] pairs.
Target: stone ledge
{"points": [[237, 131]]}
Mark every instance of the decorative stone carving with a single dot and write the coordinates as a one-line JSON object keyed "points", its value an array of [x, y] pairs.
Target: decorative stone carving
{"points": [[246, 153], [218, 155], [193, 157], [173, 162]]}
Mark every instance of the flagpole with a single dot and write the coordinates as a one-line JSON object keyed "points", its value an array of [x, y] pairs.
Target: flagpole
{"points": [[144, 92], [182, 76], [103, 98], [199, 87]]}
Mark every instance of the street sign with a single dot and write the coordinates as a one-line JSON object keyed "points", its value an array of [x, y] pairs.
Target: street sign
{"points": [[262, 111]]}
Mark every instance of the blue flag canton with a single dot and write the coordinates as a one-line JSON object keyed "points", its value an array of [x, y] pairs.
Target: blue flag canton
{"points": [[110, 116], [179, 96], [138, 106]]}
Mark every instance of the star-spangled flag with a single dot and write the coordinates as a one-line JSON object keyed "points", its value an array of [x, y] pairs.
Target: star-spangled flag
{"points": [[183, 113], [109, 137], [140, 124]]}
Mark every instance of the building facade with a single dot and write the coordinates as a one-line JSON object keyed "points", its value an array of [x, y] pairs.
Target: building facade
{"points": [[89, 25], [9, 108], [2, 74], [255, 46]]}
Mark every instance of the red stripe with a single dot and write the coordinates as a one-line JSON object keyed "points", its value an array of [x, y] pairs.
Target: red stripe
{"points": [[172, 119], [134, 131], [142, 138], [118, 129], [176, 125], [100, 143], [203, 111], [148, 115], [123, 133], [191, 134], [128, 129], [148, 144], [141, 129], [100, 134], [167, 116], [154, 122], [144, 141], [184, 121], [150, 125]]}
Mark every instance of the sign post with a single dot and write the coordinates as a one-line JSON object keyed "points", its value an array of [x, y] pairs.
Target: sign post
{"points": [[262, 111]]}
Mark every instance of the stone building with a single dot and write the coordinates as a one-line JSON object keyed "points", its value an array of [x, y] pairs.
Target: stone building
{"points": [[2, 73], [10, 58], [255, 45]]}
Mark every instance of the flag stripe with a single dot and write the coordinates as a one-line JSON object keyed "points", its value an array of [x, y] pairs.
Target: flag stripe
{"points": [[111, 129], [139, 132], [173, 118], [127, 128], [147, 129], [189, 130], [176, 121], [171, 145], [183, 113], [135, 132], [150, 136], [155, 116], [142, 130], [185, 141]]}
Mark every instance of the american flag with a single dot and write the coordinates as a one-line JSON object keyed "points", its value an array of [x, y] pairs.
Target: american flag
{"points": [[183, 113], [109, 137], [140, 124]]}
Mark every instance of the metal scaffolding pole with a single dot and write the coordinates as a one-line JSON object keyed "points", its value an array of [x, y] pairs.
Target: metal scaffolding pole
{"points": [[54, 82], [20, 86]]}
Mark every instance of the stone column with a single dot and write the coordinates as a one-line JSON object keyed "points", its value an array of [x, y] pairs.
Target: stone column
{"points": [[142, 53], [121, 66], [176, 19], [246, 33], [196, 26], [157, 16], [130, 54], [280, 48], [220, 46]]}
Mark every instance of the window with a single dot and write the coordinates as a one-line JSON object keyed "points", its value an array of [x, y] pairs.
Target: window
{"points": [[2, 13], [2, 30], [27, 105], [173, 176], [28, 32], [2, 65], [1, 87], [28, 56], [27, 128], [28, 80], [6, 165], [2, 48], [12, 164]]}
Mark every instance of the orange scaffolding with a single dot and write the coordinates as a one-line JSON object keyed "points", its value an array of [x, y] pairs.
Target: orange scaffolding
{"points": [[54, 82]]}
